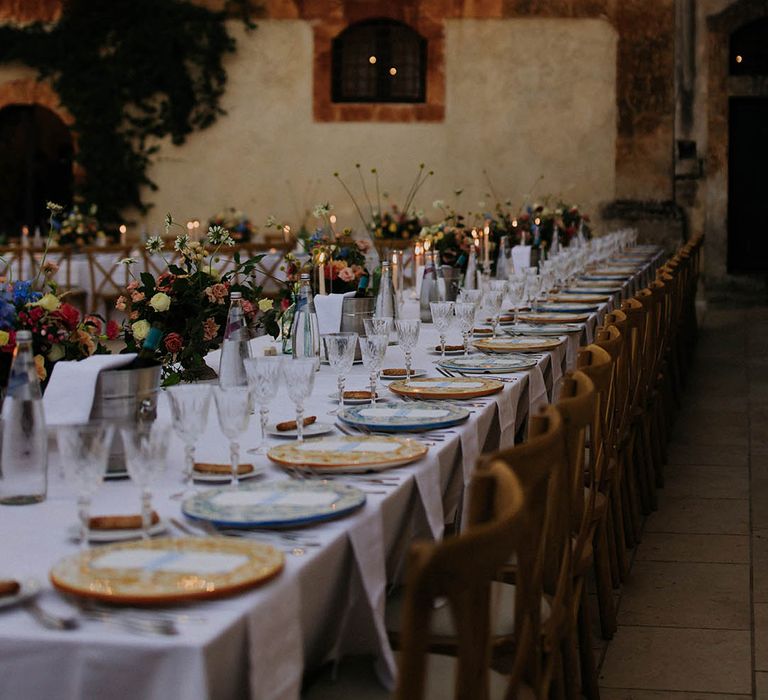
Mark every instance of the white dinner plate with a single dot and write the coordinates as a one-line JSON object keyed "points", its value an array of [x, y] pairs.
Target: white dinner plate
{"points": [[414, 373], [28, 589], [433, 351], [201, 478], [73, 531], [312, 430]]}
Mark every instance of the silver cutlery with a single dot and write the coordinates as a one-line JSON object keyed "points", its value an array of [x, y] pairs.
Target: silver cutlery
{"points": [[161, 625], [48, 619]]}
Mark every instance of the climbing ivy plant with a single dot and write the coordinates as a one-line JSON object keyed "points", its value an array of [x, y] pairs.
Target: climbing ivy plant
{"points": [[130, 72]]}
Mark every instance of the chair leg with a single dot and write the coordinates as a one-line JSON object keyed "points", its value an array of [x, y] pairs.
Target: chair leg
{"points": [[647, 464], [631, 508], [589, 684], [603, 582], [617, 532], [613, 555]]}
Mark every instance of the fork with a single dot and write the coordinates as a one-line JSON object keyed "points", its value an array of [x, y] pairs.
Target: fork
{"points": [[48, 619]]}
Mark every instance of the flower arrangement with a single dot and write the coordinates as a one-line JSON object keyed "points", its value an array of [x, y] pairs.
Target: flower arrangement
{"points": [[189, 301], [390, 222], [78, 228], [451, 236], [240, 227], [59, 332], [538, 224]]}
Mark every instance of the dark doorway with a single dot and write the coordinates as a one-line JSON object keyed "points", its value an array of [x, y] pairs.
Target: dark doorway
{"points": [[748, 185], [35, 166]]}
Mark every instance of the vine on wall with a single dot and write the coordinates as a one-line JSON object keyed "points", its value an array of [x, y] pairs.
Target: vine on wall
{"points": [[130, 72]]}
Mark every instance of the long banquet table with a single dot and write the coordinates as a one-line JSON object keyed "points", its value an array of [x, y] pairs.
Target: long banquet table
{"points": [[328, 601]]}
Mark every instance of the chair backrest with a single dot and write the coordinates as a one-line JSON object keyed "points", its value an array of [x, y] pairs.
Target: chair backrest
{"points": [[577, 407], [635, 313], [12, 263], [461, 569], [108, 278]]}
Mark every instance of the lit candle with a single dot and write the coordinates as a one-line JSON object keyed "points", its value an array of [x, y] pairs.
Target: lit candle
{"points": [[287, 234], [123, 231], [321, 281], [487, 247], [395, 272]]}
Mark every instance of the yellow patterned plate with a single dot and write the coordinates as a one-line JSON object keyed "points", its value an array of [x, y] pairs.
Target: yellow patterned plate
{"points": [[517, 343], [553, 317], [447, 388], [580, 298], [162, 571], [349, 453]]}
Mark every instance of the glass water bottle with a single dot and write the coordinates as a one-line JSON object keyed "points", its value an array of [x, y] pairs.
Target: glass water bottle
{"points": [[305, 332], [236, 348], [385, 306]]}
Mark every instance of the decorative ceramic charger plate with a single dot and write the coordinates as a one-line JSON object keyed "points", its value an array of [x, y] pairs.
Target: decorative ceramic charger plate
{"points": [[504, 320], [608, 277], [588, 288], [547, 328], [28, 588], [390, 377], [312, 430], [574, 307], [581, 298], [162, 571], [553, 317], [409, 417], [364, 453], [489, 364], [615, 270], [447, 388], [517, 344]]}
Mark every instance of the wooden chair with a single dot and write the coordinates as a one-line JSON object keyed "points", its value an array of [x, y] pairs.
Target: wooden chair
{"points": [[108, 278], [12, 263], [460, 570], [66, 278]]}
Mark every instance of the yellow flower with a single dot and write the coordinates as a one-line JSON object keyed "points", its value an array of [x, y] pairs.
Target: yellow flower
{"points": [[40, 367], [265, 304], [211, 271], [55, 353], [160, 302], [392, 228], [140, 329], [4, 338], [49, 302]]}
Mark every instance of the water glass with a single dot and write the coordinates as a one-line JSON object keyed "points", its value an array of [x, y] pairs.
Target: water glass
{"points": [[373, 349], [340, 348], [379, 326], [516, 284], [189, 416], [299, 375], [465, 315], [84, 451], [407, 336], [263, 379], [146, 452], [442, 316], [473, 296], [233, 406], [493, 301]]}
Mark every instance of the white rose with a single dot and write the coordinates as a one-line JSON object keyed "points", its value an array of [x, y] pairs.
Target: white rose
{"points": [[160, 302], [140, 329]]}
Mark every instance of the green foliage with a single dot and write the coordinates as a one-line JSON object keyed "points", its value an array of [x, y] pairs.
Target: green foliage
{"points": [[130, 72]]}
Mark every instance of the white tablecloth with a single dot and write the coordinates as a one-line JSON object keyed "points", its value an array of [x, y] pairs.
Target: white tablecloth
{"points": [[327, 602]]}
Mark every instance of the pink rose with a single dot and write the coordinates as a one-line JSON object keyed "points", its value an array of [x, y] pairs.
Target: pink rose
{"points": [[113, 330], [346, 274], [120, 303], [133, 284], [136, 297], [217, 293], [173, 343], [210, 329], [248, 308]]}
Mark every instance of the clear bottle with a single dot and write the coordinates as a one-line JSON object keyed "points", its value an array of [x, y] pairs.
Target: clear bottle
{"points": [[470, 278], [385, 305], [236, 348], [24, 464], [305, 332], [430, 289]]}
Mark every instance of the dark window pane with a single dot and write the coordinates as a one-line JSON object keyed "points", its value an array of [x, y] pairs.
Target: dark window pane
{"points": [[749, 49], [379, 61]]}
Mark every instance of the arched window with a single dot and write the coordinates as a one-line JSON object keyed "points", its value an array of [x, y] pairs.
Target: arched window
{"points": [[749, 49], [379, 60]]}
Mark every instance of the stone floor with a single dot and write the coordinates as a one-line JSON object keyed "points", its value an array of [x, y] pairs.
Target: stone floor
{"points": [[693, 614]]}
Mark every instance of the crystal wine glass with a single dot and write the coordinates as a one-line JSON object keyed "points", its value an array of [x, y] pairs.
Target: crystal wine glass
{"points": [[474, 296], [407, 336], [493, 301], [379, 326], [189, 415], [516, 285], [373, 348], [263, 380], [465, 314], [340, 348], [146, 449], [299, 375], [84, 451], [442, 315], [233, 407]]}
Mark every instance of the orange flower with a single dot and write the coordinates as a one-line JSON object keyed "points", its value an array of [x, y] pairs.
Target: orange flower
{"points": [[40, 367]]}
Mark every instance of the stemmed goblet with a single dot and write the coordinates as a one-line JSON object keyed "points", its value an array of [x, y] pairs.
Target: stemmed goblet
{"points": [[189, 415], [373, 349], [84, 450], [146, 450], [442, 315], [299, 375], [379, 326], [233, 406], [340, 348], [516, 285], [465, 314], [407, 336], [263, 379], [493, 301]]}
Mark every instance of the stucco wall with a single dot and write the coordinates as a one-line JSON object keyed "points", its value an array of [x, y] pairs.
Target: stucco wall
{"points": [[524, 98]]}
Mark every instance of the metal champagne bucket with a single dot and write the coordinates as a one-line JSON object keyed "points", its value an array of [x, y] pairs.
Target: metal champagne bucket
{"points": [[353, 312], [452, 276], [125, 397]]}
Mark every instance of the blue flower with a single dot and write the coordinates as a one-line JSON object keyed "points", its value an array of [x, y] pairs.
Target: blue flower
{"points": [[23, 293]]}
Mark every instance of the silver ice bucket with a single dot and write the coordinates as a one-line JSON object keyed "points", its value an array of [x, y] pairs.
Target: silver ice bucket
{"points": [[353, 312], [453, 277], [125, 397]]}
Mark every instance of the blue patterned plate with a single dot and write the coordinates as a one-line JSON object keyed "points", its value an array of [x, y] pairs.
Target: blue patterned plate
{"points": [[565, 308], [546, 328], [605, 278], [424, 415], [489, 364], [586, 289], [276, 504]]}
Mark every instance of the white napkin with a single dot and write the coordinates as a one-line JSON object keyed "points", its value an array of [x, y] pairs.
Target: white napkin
{"points": [[69, 395], [328, 308], [521, 257]]}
